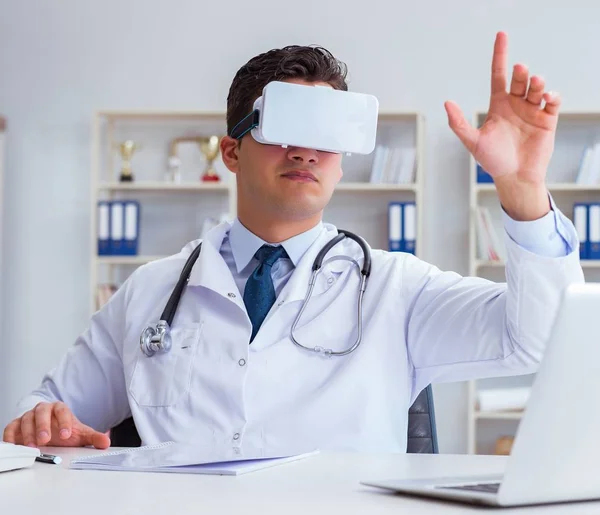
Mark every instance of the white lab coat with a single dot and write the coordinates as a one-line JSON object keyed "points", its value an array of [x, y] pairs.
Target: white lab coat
{"points": [[420, 326]]}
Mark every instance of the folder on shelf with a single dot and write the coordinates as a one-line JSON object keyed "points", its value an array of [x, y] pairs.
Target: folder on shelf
{"points": [[409, 231], [580, 221], [395, 225], [117, 216], [131, 227], [593, 231], [103, 228], [482, 176]]}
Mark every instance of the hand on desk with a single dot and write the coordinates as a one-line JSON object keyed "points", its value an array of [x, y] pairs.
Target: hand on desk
{"points": [[53, 424]]}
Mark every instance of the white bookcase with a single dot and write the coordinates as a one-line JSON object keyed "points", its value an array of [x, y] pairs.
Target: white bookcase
{"points": [[575, 132], [2, 136], [171, 214]]}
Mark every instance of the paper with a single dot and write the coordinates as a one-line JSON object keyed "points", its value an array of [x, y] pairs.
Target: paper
{"points": [[187, 459]]}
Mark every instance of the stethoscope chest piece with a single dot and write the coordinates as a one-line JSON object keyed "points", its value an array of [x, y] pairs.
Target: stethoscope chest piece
{"points": [[156, 339]]}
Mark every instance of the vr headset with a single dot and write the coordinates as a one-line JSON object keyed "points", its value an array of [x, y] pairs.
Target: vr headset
{"points": [[316, 117]]}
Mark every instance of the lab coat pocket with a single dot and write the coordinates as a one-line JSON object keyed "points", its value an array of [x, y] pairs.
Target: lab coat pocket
{"points": [[163, 379]]}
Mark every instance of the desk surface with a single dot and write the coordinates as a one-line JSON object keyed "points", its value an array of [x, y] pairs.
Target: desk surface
{"points": [[325, 483]]}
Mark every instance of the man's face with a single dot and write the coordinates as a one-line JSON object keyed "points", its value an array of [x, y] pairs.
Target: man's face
{"points": [[291, 183]]}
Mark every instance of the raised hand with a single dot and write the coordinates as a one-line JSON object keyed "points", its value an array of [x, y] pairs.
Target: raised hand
{"points": [[516, 141]]}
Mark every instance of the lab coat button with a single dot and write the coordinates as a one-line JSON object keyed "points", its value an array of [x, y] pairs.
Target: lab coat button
{"points": [[330, 280], [231, 295], [242, 362], [236, 436]]}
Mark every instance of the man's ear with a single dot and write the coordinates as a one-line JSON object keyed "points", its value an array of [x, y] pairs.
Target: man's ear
{"points": [[230, 153]]}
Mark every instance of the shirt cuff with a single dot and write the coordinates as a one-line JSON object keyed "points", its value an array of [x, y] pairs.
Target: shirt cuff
{"points": [[547, 236]]}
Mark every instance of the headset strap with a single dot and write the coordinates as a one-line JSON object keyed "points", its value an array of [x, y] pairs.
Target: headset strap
{"points": [[246, 124]]}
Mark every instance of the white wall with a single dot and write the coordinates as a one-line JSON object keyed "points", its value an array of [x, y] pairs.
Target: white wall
{"points": [[62, 60]]}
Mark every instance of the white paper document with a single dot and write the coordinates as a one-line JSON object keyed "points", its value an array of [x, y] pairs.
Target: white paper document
{"points": [[187, 459]]}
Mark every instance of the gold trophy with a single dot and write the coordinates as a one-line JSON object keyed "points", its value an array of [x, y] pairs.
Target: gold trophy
{"points": [[127, 149], [209, 146]]}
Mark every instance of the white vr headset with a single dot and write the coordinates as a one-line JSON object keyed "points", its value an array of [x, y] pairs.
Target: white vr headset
{"points": [[320, 118]]}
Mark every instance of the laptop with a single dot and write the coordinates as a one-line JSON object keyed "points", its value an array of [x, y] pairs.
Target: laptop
{"points": [[556, 452]]}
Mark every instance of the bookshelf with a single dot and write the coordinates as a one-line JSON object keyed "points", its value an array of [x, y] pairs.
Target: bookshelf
{"points": [[173, 213], [576, 131], [2, 136]]}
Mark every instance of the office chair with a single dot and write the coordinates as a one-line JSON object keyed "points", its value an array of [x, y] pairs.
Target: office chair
{"points": [[422, 433]]}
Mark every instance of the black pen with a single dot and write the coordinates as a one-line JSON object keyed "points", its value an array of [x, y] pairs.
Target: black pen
{"points": [[48, 458]]}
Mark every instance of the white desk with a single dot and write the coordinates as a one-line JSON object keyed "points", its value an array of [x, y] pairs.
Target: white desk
{"points": [[326, 483]]}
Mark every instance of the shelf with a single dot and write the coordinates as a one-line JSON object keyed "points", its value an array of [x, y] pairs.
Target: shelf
{"points": [[168, 187], [368, 186], [159, 186], [556, 187], [585, 263], [126, 260], [499, 415]]}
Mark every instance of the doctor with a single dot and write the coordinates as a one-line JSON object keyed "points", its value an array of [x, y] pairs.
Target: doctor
{"points": [[234, 378]]}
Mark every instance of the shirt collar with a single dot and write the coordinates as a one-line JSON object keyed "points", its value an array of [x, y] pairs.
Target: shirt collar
{"points": [[245, 243]]}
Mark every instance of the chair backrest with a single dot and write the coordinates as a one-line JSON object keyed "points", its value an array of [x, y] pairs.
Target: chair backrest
{"points": [[422, 434]]}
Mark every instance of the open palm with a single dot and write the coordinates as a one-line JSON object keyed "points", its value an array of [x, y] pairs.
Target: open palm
{"points": [[516, 141]]}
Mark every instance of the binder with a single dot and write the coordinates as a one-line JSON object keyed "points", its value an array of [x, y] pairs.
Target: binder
{"points": [[131, 227], [580, 221], [593, 231], [395, 243], [482, 176], [116, 227], [409, 231], [103, 228]]}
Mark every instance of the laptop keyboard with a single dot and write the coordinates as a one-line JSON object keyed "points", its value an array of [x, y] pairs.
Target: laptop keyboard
{"points": [[490, 488]]}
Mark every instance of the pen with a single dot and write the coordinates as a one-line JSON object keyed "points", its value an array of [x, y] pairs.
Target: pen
{"points": [[48, 458]]}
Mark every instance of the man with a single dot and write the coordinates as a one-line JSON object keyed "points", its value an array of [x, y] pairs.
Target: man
{"points": [[234, 378]]}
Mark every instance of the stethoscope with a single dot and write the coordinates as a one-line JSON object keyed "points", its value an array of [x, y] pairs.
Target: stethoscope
{"points": [[157, 338]]}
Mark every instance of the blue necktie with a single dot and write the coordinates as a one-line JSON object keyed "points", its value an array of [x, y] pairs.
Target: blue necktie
{"points": [[259, 292]]}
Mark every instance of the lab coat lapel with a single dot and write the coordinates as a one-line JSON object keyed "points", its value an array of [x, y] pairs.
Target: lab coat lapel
{"points": [[210, 270]]}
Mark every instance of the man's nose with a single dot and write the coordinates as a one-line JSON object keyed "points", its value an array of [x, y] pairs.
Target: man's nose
{"points": [[303, 155]]}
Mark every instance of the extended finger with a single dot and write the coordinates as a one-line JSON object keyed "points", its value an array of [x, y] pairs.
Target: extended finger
{"points": [[43, 419], [95, 438], [499, 61], [553, 101], [11, 431], [28, 429], [520, 78], [64, 419], [536, 90]]}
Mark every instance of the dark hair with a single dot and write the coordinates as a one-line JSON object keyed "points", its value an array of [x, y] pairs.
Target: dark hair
{"points": [[311, 63]]}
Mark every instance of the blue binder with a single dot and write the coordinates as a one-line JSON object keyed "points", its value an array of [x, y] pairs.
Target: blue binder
{"points": [[581, 223], [395, 225], [482, 176], [103, 227], [131, 227], [593, 231], [409, 231]]}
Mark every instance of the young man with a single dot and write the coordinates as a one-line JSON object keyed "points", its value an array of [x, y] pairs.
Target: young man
{"points": [[234, 377]]}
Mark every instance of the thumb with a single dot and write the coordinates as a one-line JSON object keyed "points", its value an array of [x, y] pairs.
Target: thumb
{"points": [[461, 127], [92, 437]]}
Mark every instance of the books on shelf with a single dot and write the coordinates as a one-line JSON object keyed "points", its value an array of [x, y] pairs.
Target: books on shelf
{"points": [[104, 293], [589, 166], [488, 243], [118, 227], [393, 165]]}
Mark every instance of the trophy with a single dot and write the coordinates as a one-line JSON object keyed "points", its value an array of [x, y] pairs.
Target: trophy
{"points": [[127, 149], [209, 146]]}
